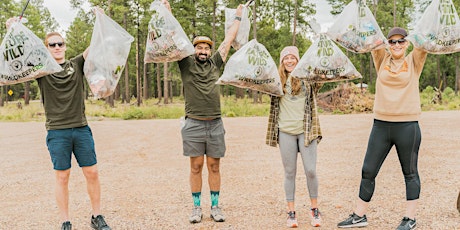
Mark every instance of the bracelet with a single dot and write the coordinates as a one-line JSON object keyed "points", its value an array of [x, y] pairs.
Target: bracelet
{"points": [[238, 18]]}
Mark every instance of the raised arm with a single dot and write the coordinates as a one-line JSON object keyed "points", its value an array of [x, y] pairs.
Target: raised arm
{"points": [[224, 47]]}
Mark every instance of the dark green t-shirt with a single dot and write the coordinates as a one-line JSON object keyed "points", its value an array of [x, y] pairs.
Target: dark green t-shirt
{"points": [[202, 94], [63, 96]]}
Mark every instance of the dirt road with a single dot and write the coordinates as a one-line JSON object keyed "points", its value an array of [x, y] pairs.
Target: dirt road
{"points": [[145, 177]]}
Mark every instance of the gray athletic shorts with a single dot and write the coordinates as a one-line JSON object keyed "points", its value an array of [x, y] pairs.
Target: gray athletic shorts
{"points": [[203, 138]]}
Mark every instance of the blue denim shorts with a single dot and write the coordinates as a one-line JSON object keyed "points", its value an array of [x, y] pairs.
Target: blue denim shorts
{"points": [[63, 142], [203, 138]]}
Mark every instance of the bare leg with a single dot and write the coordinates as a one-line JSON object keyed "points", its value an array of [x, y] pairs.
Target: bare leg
{"points": [[361, 207], [213, 165], [196, 168], [94, 188], [411, 208], [62, 193]]}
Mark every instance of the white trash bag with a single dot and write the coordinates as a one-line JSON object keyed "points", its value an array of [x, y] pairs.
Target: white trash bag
{"points": [[356, 29], [252, 67], [242, 36], [107, 55], [24, 57], [324, 61], [438, 30], [166, 40]]}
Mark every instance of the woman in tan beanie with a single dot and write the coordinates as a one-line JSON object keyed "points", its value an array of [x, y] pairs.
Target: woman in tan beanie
{"points": [[294, 125], [396, 113]]}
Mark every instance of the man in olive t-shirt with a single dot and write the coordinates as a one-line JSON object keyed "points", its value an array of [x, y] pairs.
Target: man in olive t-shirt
{"points": [[203, 131]]}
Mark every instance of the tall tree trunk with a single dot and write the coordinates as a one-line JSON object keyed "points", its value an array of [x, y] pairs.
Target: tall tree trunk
{"points": [[2, 89], [146, 82], [457, 73], [166, 84], [160, 91], [126, 97], [214, 19], [295, 23], [394, 13], [138, 69], [26, 93]]}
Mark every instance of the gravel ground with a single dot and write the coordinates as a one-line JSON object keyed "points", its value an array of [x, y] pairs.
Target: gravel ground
{"points": [[145, 183]]}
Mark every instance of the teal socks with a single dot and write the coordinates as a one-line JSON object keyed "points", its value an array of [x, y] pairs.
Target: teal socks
{"points": [[214, 198], [196, 198]]}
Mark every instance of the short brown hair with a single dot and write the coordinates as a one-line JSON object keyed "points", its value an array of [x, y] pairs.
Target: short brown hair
{"points": [[48, 35]]}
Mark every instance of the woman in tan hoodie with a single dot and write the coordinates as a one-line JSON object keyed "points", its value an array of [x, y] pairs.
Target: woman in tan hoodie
{"points": [[396, 113]]}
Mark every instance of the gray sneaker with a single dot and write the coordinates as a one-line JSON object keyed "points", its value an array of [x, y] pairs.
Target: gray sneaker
{"points": [[98, 223], [407, 224], [196, 215], [217, 215], [66, 226], [353, 221]]}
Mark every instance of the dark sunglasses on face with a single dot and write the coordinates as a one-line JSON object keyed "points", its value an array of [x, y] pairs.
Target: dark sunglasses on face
{"points": [[401, 41], [54, 44]]}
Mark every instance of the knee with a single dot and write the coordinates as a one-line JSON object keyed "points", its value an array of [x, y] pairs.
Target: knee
{"points": [[214, 168], [311, 174], [196, 168], [91, 173], [62, 177], [368, 173]]}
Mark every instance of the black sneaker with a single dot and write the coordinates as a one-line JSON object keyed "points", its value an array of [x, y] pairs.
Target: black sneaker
{"points": [[407, 224], [98, 223], [353, 221], [66, 226]]}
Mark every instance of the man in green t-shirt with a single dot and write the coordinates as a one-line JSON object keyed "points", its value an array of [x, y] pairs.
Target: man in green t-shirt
{"points": [[203, 130], [63, 98]]}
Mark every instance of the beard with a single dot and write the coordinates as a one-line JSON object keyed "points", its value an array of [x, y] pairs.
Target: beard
{"points": [[200, 58]]}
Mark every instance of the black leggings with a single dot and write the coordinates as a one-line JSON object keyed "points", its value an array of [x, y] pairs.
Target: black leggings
{"points": [[406, 137]]}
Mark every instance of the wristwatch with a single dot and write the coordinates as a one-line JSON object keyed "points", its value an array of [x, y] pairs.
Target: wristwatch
{"points": [[238, 18]]}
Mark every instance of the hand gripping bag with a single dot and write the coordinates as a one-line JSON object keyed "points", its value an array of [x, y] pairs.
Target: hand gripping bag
{"points": [[356, 29], [438, 29], [252, 67], [24, 57], [242, 36], [166, 40], [325, 62], [107, 55]]}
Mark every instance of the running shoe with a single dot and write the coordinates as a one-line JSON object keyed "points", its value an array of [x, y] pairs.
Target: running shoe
{"points": [[196, 215], [292, 220], [315, 217], [407, 224], [99, 223], [217, 215], [353, 221]]}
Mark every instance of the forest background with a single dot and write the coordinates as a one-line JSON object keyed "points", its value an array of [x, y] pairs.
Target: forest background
{"points": [[275, 24]]}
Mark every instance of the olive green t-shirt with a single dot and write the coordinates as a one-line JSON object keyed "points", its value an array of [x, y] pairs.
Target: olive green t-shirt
{"points": [[63, 96], [201, 93]]}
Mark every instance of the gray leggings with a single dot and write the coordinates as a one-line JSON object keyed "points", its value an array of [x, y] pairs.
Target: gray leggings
{"points": [[290, 145]]}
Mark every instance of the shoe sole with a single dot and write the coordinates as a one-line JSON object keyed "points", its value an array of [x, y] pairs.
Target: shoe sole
{"points": [[217, 220], [358, 225], [293, 226], [196, 221]]}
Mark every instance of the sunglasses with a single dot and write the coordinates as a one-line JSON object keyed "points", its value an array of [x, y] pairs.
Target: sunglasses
{"points": [[401, 41], [54, 44]]}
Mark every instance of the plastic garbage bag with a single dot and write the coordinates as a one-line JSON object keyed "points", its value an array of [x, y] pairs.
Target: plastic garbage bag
{"points": [[242, 36], [166, 40], [356, 29], [24, 57], [252, 67], [107, 55], [438, 29], [324, 61]]}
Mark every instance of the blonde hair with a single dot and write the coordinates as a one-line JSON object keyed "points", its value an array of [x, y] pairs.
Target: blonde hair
{"points": [[48, 35], [295, 82]]}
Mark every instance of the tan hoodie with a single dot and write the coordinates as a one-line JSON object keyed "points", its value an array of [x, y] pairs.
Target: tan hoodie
{"points": [[397, 93]]}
